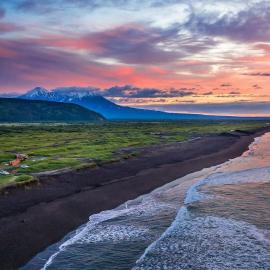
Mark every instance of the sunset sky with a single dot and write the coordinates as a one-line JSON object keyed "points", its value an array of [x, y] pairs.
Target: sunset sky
{"points": [[192, 55]]}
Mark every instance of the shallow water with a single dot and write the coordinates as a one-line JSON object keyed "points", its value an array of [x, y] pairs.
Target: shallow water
{"points": [[224, 224]]}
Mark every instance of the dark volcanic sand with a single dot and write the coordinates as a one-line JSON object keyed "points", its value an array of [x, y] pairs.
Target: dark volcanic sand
{"points": [[34, 217]]}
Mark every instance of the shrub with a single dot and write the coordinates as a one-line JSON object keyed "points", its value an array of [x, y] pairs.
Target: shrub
{"points": [[24, 178]]}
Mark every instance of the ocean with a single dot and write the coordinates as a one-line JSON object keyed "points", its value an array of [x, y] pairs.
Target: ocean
{"points": [[214, 219]]}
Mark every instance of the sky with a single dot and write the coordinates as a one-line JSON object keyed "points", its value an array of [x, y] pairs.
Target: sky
{"points": [[192, 55]]}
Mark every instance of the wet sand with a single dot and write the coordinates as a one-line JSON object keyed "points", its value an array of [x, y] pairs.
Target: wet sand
{"points": [[36, 216], [247, 202]]}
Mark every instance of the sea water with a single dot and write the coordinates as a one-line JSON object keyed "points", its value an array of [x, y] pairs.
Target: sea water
{"points": [[217, 218]]}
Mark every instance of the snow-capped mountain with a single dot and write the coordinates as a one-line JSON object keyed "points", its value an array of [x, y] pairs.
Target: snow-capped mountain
{"points": [[75, 92], [39, 93], [85, 96], [89, 98], [62, 94]]}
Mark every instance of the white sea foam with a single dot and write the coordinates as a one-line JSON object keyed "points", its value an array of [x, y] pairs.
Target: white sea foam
{"points": [[94, 220], [113, 233], [101, 227], [210, 243]]}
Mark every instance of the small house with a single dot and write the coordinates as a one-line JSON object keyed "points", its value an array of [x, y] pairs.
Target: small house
{"points": [[16, 162], [19, 158]]}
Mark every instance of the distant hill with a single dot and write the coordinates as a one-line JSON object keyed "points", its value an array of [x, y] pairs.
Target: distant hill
{"points": [[9, 95], [87, 99], [19, 110]]}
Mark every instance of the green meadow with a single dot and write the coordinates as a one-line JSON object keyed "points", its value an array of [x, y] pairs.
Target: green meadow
{"points": [[57, 146]]}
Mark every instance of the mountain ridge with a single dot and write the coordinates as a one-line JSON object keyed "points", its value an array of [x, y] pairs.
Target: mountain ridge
{"points": [[89, 99]]}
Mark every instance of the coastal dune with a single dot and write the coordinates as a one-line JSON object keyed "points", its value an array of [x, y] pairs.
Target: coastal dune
{"points": [[34, 217]]}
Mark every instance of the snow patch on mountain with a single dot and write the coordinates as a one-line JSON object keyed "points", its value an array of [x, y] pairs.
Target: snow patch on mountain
{"points": [[37, 92], [75, 92], [61, 94]]}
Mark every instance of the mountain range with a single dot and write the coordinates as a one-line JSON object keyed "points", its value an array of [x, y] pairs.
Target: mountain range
{"points": [[88, 99]]}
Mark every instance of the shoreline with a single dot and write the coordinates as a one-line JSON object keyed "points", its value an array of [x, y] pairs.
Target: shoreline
{"points": [[36, 216]]}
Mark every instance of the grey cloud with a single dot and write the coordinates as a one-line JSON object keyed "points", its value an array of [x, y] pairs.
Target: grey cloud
{"points": [[237, 108], [251, 24], [208, 93], [51, 5], [226, 85], [130, 91], [31, 63], [134, 44], [260, 74], [234, 93], [40, 7], [139, 44], [9, 27], [2, 13], [256, 86]]}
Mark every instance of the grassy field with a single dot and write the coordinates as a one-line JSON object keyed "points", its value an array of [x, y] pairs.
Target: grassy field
{"points": [[56, 146]]}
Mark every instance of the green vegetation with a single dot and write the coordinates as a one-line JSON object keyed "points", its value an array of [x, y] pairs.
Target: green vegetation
{"points": [[56, 146], [19, 110], [24, 178]]}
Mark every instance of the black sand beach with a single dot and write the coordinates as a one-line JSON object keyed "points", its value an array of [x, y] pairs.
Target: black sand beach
{"points": [[34, 217]]}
